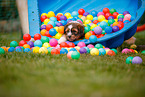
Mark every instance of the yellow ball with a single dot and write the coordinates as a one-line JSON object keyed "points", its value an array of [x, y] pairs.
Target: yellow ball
{"points": [[44, 14], [46, 45], [43, 50], [101, 18], [46, 21], [93, 26], [89, 17], [26, 46], [42, 32], [83, 18], [77, 48], [136, 51], [36, 50], [87, 21], [116, 20], [115, 23], [106, 21], [80, 16], [107, 50], [51, 14], [58, 36], [94, 51], [56, 28], [67, 15]]}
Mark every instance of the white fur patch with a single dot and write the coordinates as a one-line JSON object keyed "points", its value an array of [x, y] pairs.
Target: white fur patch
{"points": [[70, 27]]}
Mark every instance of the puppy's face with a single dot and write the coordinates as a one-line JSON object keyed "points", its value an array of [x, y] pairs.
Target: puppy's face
{"points": [[74, 31]]}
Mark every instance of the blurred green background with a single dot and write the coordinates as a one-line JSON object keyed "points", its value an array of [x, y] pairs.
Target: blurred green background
{"points": [[9, 18]]}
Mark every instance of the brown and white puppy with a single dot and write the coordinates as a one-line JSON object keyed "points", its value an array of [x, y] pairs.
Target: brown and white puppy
{"points": [[73, 31]]}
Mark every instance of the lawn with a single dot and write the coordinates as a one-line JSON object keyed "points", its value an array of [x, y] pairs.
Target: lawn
{"points": [[40, 75]]}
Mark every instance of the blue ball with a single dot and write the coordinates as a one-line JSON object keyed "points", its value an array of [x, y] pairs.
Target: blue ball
{"points": [[126, 21], [38, 43], [103, 24], [93, 39], [63, 51], [95, 18], [53, 19], [74, 14], [94, 13], [11, 49], [63, 22], [108, 29], [88, 50], [18, 50], [27, 50], [52, 23], [102, 51], [52, 32], [72, 49]]}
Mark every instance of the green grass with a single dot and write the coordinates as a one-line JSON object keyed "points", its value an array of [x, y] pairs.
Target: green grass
{"points": [[40, 75]]}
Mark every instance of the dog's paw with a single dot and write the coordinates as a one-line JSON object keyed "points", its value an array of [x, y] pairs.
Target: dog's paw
{"points": [[62, 39]]}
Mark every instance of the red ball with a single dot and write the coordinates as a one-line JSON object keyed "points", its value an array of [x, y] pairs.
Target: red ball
{"points": [[22, 42], [63, 44], [47, 34], [111, 53], [131, 50], [43, 17], [106, 10], [107, 15], [37, 36], [55, 51], [81, 11], [115, 14], [95, 21], [58, 17], [26, 37], [120, 26], [99, 36], [93, 33], [71, 44], [48, 27]]}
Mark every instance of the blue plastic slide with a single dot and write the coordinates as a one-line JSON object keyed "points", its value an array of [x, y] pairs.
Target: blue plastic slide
{"points": [[113, 40]]}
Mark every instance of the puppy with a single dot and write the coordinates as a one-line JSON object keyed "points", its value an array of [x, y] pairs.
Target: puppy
{"points": [[73, 31]]}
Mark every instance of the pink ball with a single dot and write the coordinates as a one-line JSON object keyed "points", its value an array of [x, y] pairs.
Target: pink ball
{"points": [[126, 51], [80, 21], [126, 18], [53, 42], [90, 46], [69, 54], [81, 44], [100, 13], [127, 15]]}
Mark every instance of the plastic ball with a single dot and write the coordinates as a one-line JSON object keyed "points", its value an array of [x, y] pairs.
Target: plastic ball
{"points": [[111, 21], [82, 50], [129, 60], [63, 51], [89, 17], [94, 51], [81, 11], [75, 55], [115, 14], [98, 30], [100, 13], [87, 29], [27, 50], [46, 45], [107, 15], [143, 52], [37, 36], [38, 43], [48, 27], [87, 21], [93, 26], [108, 29], [43, 50], [88, 50], [137, 60], [110, 17], [61, 29], [59, 24], [93, 39], [69, 54], [112, 10], [58, 36], [11, 49], [30, 43], [95, 18], [43, 17], [44, 39], [68, 15], [115, 23], [120, 16], [125, 12], [114, 51], [94, 13], [55, 51], [26, 46], [58, 16], [2, 51], [73, 49], [44, 14], [51, 14], [46, 21], [43, 26], [95, 21], [42, 32], [98, 46], [103, 24], [111, 53], [126, 51], [36, 50], [101, 18], [106, 10], [63, 45], [22, 42], [52, 23], [85, 14], [52, 32], [115, 28], [102, 51], [74, 14], [53, 18], [13, 44], [90, 46], [63, 22], [87, 35], [18, 50], [81, 44], [71, 44], [127, 15], [53, 42], [26, 37]]}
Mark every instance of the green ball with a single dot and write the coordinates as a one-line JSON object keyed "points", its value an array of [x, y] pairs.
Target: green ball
{"points": [[111, 21], [98, 46], [88, 25], [114, 51], [103, 32], [13, 44], [75, 55], [87, 29], [120, 16], [112, 10], [44, 39], [143, 52], [129, 60], [49, 50], [2, 51], [80, 19]]}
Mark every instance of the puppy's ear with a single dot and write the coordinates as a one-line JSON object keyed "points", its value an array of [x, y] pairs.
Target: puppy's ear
{"points": [[81, 30], [65, 27]]}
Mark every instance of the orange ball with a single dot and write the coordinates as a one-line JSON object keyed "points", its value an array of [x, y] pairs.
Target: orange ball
{"points": [[87, 35], [4, 48], [43, 32], [61, 29], [55, 52], [7, 48], [111, 53], [26, 46], [115, 23]]}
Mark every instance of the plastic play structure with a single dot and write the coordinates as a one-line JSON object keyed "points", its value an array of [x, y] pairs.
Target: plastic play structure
{"points": [[113, 40]]}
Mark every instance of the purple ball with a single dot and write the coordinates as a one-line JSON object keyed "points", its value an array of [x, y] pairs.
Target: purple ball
{"points": [[120, 19], [111, 25], [137, 60], [85, 14], [115, 28], [59, 24], [91, 24], [18, 47], [110, 17], [98, 30], [82, 50], [125, 12], [30, 43], [63, 18], [43, 27]]}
